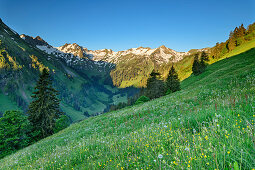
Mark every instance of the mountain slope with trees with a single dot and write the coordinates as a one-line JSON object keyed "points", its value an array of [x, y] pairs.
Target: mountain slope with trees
{"points": [[87, 79], [208, 124], [84, 88]]}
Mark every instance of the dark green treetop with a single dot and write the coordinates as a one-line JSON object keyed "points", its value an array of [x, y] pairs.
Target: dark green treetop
{"points": [[155, 87], [196, 65], [172, 81]]}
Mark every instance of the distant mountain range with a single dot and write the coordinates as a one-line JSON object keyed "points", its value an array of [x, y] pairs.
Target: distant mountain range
{"points": [[128, 68]]}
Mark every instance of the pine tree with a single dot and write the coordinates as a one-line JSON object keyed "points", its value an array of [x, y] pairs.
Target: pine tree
{"points": [[44, 109], [204, 57], [196, 66], [231, 44], [155, 87], [172, 81], [251, 28], [203, 60]]}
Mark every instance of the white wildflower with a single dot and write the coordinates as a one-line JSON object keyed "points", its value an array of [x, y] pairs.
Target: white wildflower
{"points": [[160, 156]]}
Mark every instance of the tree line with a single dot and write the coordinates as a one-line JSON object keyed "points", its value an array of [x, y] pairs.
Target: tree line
{"points": [[237, 37], [155, 88]]}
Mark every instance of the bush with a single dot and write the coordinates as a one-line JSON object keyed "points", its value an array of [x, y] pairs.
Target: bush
{"points": [[61, 123], [14, 132], [142, 99], [168, 92]]}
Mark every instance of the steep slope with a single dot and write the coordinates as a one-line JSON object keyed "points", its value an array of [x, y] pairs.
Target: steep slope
{"points": [[207, 125], [84, 85]]}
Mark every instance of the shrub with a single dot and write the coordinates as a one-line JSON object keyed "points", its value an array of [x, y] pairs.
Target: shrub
{"points": [[142, 99], [14, 132]]}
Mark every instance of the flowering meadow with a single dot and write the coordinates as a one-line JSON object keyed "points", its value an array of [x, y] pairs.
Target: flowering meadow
{"points": [[209, 124]]}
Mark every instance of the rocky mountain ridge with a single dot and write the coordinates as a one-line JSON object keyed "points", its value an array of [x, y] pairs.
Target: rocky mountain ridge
{"points": [[161, 54], [127, 68]]}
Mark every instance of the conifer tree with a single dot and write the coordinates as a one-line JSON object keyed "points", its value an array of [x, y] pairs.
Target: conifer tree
{"points": [[44, 109], [172, 81], [203, 60], [240, 31], [155, 87], [231, 44], [196, 66]]}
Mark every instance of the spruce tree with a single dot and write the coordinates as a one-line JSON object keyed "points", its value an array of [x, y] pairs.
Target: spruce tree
{"points": [[44, 109], [196, 66], [155, 87], [203, 60], [172, 81]]}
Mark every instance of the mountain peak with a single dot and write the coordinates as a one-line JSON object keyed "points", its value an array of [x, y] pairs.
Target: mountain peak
{"points": [[38, 38], [73, 48], [162, 46], [34, 41]]}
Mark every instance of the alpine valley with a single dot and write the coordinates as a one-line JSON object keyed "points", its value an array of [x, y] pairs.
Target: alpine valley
{"points": [[88, 81]]}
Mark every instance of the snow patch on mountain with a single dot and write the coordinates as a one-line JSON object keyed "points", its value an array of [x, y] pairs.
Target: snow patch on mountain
{"points": [[161, 54], [48, 50], [74, 60], [74, 53], [68, 48]]}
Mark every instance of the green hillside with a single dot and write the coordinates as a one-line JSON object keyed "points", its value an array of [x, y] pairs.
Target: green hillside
{"points": [[209, 124]]}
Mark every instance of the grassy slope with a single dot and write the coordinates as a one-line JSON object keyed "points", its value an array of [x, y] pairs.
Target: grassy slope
{"points": [[209, 124], [184, 67], [238, 50]]}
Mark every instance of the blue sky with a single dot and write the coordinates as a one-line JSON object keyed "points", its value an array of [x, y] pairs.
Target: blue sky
{"points": [[117, 24]]}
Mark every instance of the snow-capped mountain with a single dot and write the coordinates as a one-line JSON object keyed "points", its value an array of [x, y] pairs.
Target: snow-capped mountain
{"points": [[73, 55], [161, 54], [127, 68], [132, 65]]}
